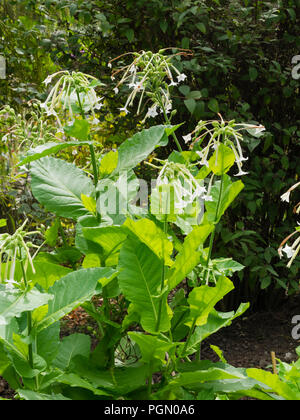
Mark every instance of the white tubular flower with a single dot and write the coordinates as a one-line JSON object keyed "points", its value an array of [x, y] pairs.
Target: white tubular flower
{"points": [[124, 109], [286, 195], [227, 133], [14, 247], [181, 77], [151, 75], [152, 112], [187, 138], [207, 198], [72, 89], [241, 173], [95, 121], [288, 250], [186, 188]]}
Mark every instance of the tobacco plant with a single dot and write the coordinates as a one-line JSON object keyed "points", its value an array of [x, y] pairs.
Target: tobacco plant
{"points": [[133, 252]]}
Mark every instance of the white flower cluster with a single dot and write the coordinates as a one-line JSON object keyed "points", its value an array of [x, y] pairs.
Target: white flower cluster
{"points": [[186, 188], [293, 250], [221, 132], [14, 247], [72, 89], [147, 75]]}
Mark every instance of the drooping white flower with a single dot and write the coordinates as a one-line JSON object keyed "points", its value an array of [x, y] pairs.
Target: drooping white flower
{"points": [[241, 173], [116, 90], [286, 196], [181, 77], [289, 251], [152, 112], [99, 105], [132, 84], [187, 138], [132, 69], [124, 109], [48, 80], [207, 197]]}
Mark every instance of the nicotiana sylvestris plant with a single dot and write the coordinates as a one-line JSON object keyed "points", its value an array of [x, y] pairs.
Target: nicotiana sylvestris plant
{"points": [[128, 262]]}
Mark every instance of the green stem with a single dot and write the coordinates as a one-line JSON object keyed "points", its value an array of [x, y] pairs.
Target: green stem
{"points": [[163, 275], [212, 237], [211, 243], [189, 337], [91, 146], [29, 317], [169, 122]]}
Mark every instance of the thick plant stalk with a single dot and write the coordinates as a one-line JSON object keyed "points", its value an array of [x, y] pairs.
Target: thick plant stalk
{"points": [[212, 236], [29, 318], [163, 275], [211, 243], [189, 337], [169, 122]]}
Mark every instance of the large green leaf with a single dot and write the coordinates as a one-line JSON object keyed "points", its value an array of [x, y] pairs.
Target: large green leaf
{"points": [[136, 149], [47, 149], [48, 342], [275, 383], [82, 244], [109, 238], [152, 236], [152, 348], [116, 381], [70, 291], [71, 346], [140, 281], [222, 160], [80, 129], [58, 186], [74, 380], [189, 256], [47, 273], [203, 299], [230, 190], [7, 345], [28, 395], [215, 321], [13, 302], [191, 379], [17, 351]]}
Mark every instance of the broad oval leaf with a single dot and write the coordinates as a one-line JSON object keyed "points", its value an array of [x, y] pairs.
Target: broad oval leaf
{"points": [[58, 186], [140, 281], [13, 302], [136, 149]]}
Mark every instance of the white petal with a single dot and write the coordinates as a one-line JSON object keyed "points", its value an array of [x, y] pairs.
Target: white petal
{"points": [[289, 251], [181, 77], [286, 196], [187, 138]]}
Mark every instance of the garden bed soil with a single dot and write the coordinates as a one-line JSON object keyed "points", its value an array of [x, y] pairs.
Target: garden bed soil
{"points": [[248, 342]]}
